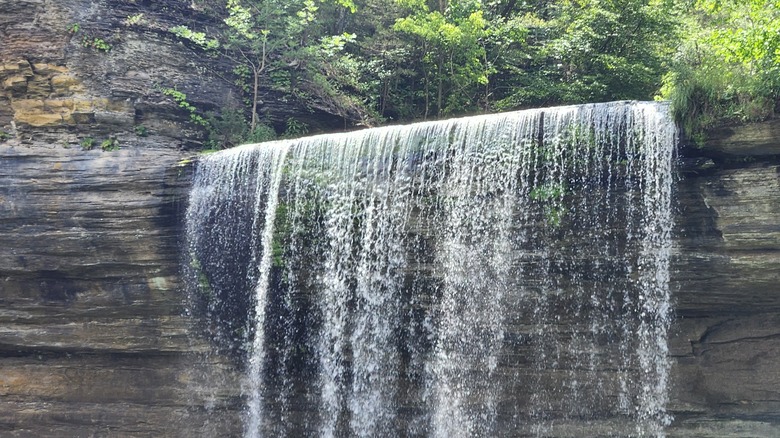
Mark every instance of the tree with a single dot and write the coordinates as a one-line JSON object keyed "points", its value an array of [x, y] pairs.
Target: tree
{"points": [[727, 67], [462, 45], [596, 50], [452, 41], [369, 60], [276, 39]]}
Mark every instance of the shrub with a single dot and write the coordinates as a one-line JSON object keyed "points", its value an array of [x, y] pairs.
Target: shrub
{"points": [[87, 143], [261, 133], [110, 144]]}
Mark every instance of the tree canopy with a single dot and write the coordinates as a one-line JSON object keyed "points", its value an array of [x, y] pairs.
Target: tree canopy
{"points": [[373, 61]]}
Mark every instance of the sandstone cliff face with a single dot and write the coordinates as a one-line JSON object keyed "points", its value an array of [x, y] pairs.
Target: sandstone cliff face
{"points": [[93, 331], [726, 282], [57, 83], [94, 336], [78, 68]]}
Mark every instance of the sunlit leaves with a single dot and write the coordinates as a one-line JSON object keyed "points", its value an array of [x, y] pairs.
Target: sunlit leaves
{"points": [[198, 38], [240, 19], [727, 67], [335, 44], [458, 45], [743, 31]]}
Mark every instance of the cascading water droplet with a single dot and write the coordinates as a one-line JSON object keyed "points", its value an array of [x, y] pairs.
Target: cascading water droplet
{"points": [[502, 275]]}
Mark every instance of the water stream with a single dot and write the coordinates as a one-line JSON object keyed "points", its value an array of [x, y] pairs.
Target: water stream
{"points": [[498, 275]]}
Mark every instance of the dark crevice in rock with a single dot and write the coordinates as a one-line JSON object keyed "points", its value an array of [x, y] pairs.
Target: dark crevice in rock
{"points": [[51, 352], [711, 330], [747, 339]]}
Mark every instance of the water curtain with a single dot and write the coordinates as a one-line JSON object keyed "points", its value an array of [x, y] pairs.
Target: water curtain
{"points": [[498, 275]]}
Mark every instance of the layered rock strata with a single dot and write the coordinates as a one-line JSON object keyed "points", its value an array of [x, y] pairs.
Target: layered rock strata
{"points": [[726, 284], [78, 68], [94, 334]]}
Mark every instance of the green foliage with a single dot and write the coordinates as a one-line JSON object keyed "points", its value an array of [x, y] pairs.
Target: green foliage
{"points": [[204, 285], [456, 46], [282, 229], [4, 135], [554, 214], [295, 128], [181, 99], [592, 50], [374, 60], [743, 32], [244, 75], [260, 134], [239, 20], [110, 144], [140, 130], [89, 40], [227, 129], [87, 143], [96, 43], [333, 45], [549, 197], [133, 20], [230, 128], [727, 68], [547, 192], [107, 145], [198, 38], [289, 46]]}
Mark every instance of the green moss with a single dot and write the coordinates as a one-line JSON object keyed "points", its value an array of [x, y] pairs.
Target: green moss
{"points": [[281, 231], [204, 285], [554, 214], [548, 191], [140, 130], [87, 143], [110, 144]]}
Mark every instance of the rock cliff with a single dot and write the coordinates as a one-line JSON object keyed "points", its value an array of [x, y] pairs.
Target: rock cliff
{"points": [[78, 68], [726, 283], [74, 69], [94, 333]]}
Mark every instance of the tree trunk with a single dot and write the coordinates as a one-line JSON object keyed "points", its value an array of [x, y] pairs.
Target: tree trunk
{"points": [[258, 69], [439, 91], [255, 98]]}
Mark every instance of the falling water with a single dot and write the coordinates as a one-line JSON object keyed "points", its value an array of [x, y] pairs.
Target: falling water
{"points": [[501, 275]]}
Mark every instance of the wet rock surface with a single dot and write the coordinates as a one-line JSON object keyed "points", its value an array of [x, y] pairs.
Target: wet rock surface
{"points": [[750, 140]]}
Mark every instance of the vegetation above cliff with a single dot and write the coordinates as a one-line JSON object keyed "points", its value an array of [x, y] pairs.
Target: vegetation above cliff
{"points": [[371, 61], [726, 67]]}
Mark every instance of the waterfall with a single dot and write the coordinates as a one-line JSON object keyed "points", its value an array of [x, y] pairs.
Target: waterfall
{"points": [[497, 275]]}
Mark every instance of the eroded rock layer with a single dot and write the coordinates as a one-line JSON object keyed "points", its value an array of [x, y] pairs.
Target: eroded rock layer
{"points": [[726, 280], [94, 337], [93, 328]]}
